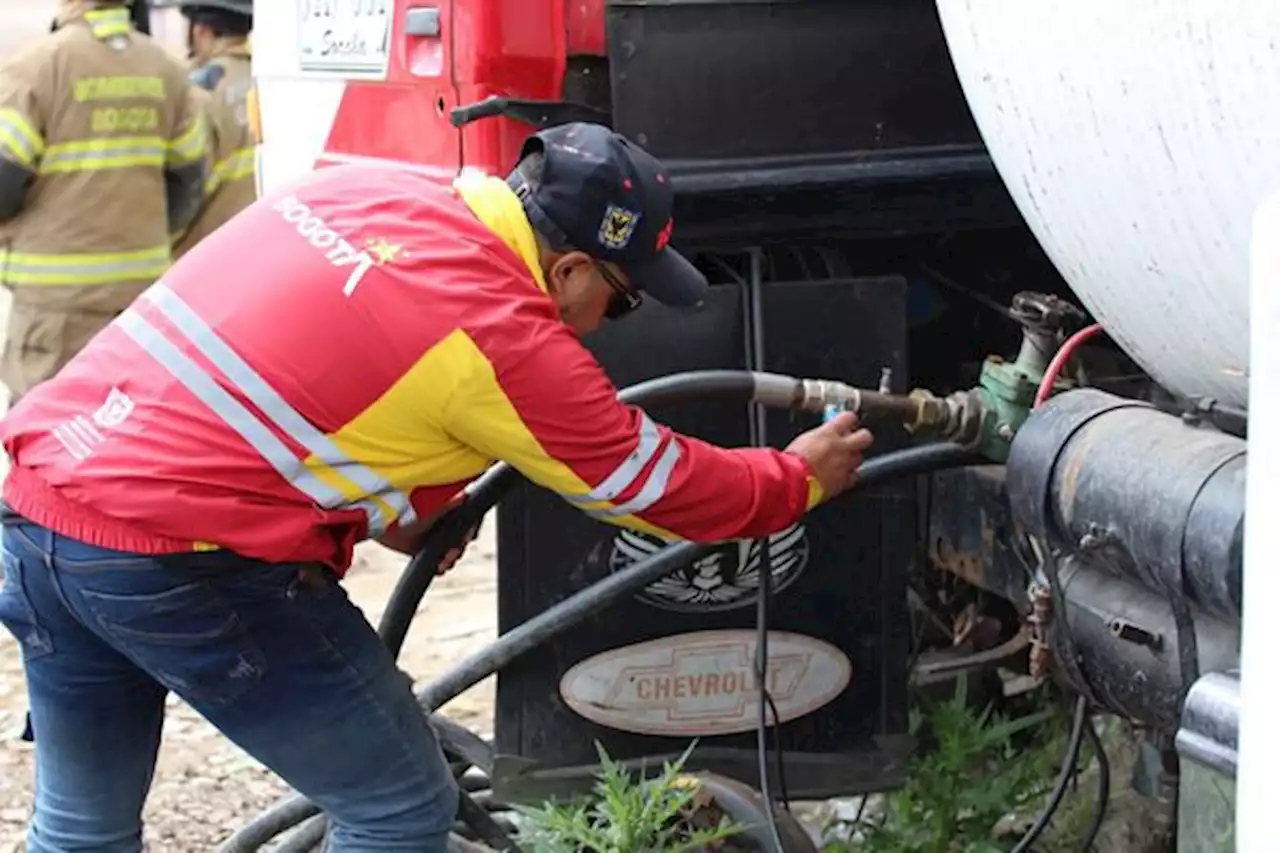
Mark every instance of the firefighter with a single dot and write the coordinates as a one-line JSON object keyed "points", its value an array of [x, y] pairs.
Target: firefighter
{"points": [[218, 43], [334, 364], [103, 154]]}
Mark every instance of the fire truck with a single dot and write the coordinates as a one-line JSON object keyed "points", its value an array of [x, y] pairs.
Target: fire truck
{"points": [[1018, 238]]}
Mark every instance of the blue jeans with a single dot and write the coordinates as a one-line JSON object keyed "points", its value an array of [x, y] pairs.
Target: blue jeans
{"points": [[275, 656]]}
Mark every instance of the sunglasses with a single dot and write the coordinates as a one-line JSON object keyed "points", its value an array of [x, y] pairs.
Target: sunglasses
{"points": [[625, 299]]}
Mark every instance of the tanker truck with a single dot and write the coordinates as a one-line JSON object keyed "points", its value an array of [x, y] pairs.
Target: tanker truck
{"points": [[1015, 237]]}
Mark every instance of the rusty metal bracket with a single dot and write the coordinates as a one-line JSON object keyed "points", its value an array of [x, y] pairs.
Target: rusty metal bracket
{"points": [[977, 661]]}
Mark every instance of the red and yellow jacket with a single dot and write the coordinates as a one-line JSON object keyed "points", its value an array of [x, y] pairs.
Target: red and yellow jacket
{"points": [[341, 358]]}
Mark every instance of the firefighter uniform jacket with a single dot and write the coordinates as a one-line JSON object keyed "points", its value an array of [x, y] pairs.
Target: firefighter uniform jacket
{"points": [[231, 185], [98, 121], [343, 357]]}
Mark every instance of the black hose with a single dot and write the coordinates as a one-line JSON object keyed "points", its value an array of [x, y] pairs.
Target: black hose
{"points": [[275, 821], [762, 723], [1103, 796], [308, 837], [912, 461], [459, 740], [486, 491], [557, 619], [1064, 778], [587, 602], [483, 824]]}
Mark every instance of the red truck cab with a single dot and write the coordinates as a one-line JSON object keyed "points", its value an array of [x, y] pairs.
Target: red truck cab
{"points": [[343, 80]]}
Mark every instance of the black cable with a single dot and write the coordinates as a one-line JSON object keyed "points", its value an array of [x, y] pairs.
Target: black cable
{"points": [[779, 762], [485, 492], [1065, 775], [762, 675], [1103, 796], [760, 437]]}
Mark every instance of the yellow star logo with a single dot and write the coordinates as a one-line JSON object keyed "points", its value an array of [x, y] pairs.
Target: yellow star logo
{"points": [[382, 251]]}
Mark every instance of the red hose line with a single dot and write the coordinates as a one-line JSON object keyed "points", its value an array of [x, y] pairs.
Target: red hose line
{"points": [[1060, 359]]}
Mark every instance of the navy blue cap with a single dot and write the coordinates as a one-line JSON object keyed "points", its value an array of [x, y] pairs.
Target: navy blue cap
{"points": [[602, 194]]}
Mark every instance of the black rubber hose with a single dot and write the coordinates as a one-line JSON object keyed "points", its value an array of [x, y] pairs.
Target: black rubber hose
{"points": [[1078, 725], [459, 740], [1103, 795], [557, 619], [587, 602], [275, 821], [483, 824], [486, 491], [308, 837]]}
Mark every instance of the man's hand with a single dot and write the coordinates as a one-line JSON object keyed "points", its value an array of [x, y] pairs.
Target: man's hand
{"points": [[455, 554], [407, 540], [834, 452]]}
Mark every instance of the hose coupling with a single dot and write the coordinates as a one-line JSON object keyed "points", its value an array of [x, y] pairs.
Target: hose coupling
{"points": [[817, 395], [957, 417]]}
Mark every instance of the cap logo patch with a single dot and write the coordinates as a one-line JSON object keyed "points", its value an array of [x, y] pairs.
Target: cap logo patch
{"points": [[617, 227]]}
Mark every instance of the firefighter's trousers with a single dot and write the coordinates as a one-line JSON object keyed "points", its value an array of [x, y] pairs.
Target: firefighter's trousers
{"points": [[48, 325]]}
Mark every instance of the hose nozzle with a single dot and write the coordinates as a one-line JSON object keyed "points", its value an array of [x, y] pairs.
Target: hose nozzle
{"points": [[957, 417]]}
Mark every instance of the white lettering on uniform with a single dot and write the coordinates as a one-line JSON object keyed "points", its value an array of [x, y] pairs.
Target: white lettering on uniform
{"points": [[337, 251], [80, 435], [113, 412]]}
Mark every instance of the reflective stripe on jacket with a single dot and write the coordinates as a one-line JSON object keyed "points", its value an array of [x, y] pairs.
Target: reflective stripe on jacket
{"points": [[232, 184], [342, 357], [97, 113]]}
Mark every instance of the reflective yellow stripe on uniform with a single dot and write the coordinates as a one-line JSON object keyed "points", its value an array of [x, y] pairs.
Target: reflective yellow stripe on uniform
{"points": [[191, 146], [84, 268], [20, 141], [92, 155], [106, 23], [336, 481], [239, 165]]}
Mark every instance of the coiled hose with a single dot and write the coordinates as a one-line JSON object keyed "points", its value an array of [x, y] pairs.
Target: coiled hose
{"points": [[767, 389]]}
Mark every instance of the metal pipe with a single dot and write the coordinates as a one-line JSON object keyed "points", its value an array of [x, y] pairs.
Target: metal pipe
{"points": [[1210, 730]]}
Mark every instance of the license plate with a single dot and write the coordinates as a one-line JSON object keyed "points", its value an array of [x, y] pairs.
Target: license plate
{"points": [[352, 36]]}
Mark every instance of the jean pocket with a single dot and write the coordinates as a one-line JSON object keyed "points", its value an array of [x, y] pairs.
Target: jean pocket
{"points": [[187, 637], [16, 612]]}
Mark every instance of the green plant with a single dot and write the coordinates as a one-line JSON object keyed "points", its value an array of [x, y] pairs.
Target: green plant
{"points": [[978, 770], [624, 816]]}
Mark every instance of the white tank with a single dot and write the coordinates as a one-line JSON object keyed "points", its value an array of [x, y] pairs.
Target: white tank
{"points": [[1137, 138]]}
